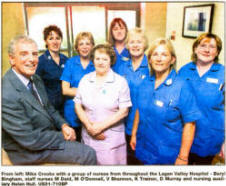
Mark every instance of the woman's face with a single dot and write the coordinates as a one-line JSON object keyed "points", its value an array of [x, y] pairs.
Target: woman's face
{"points": [[161, 59], [102, 62], [84, 47], [53, 42], [136, 45], [206, 51], [119, 32]]}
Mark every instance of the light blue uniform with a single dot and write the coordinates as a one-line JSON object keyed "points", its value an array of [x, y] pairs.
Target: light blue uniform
{"points": [[134, 79], [73, 73], [163, 113], [123, 57], [209, 92]]}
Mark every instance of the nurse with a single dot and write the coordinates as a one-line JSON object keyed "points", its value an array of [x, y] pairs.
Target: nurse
{"points": [[135, 70], [75, 68], [206, 77], [51, 65], [164, 123], [117, 36], [102, 102]]}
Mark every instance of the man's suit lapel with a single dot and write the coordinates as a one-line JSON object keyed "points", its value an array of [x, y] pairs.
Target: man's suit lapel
{"points": [[27, 95], [40, 90]]}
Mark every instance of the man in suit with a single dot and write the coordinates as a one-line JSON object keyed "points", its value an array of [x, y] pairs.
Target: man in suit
{"points": [[33, 132]]}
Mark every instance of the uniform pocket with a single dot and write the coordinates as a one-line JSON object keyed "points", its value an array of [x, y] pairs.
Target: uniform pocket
{"points": [[213, 95], [172, 114], [173, 117]]}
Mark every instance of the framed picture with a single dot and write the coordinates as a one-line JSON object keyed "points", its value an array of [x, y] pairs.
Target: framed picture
{"points": [[197, 20]]}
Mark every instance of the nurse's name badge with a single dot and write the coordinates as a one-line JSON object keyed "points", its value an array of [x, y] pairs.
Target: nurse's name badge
{"points": [[212, 80], [125, 58], [159, 103], [143, 76], [169, 81]]}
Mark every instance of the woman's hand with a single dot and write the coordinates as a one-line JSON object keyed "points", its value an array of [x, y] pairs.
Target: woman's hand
{"points": [[222, 152], [95, 128], [100, 136], [133, 142]]}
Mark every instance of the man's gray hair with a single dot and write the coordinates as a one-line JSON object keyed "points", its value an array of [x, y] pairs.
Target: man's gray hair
{"points": [[16, 40]]}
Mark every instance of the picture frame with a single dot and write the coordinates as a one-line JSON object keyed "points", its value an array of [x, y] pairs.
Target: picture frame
{"points": [[197, 20]]}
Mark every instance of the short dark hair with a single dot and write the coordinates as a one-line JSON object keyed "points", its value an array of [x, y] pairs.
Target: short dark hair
{"points": [[51, 28]]}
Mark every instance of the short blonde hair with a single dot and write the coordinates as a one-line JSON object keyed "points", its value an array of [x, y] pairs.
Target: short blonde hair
{"points": [[137, 31], [82, 35], [198, 41], [168, 44]]}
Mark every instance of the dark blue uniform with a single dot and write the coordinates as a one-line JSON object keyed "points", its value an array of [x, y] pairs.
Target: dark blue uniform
{"points": [[124, 56], [73, 73], [209, 93], [163, 113], [50, 72]]}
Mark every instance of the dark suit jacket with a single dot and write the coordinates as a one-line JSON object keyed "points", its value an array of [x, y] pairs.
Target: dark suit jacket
{"points": [[26, 125]]}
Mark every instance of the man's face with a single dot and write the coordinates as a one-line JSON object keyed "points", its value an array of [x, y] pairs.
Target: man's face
{"points": [[25, 58]]}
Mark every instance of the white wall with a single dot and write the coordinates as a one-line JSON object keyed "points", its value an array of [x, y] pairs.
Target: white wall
{"points": [[183, 46]]}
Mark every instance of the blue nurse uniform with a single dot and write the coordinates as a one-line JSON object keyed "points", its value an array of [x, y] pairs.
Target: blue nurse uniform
{"points": [[123, 57], [50, 72], [73, 73], [163, 112], [209, 92], [134, 79]]}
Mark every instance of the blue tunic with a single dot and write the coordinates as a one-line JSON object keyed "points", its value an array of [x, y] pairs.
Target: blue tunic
{"points": [[123, 57], [73, 73], [50, 73], [134, 79], [163, 113], [209, 92]]}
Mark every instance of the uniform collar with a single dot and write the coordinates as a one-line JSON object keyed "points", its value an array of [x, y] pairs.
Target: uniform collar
{"points": [[116, 51], [169, 80], [109, 79], [214, 67], [192, 66], [77, 61], [144, 62], [49, 57]]}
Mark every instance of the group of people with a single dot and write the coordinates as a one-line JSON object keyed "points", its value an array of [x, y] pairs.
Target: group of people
{"points": [[125, 107]]}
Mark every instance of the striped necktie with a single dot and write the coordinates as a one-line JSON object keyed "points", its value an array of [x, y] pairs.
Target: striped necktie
{"points": [[32, 90]]}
